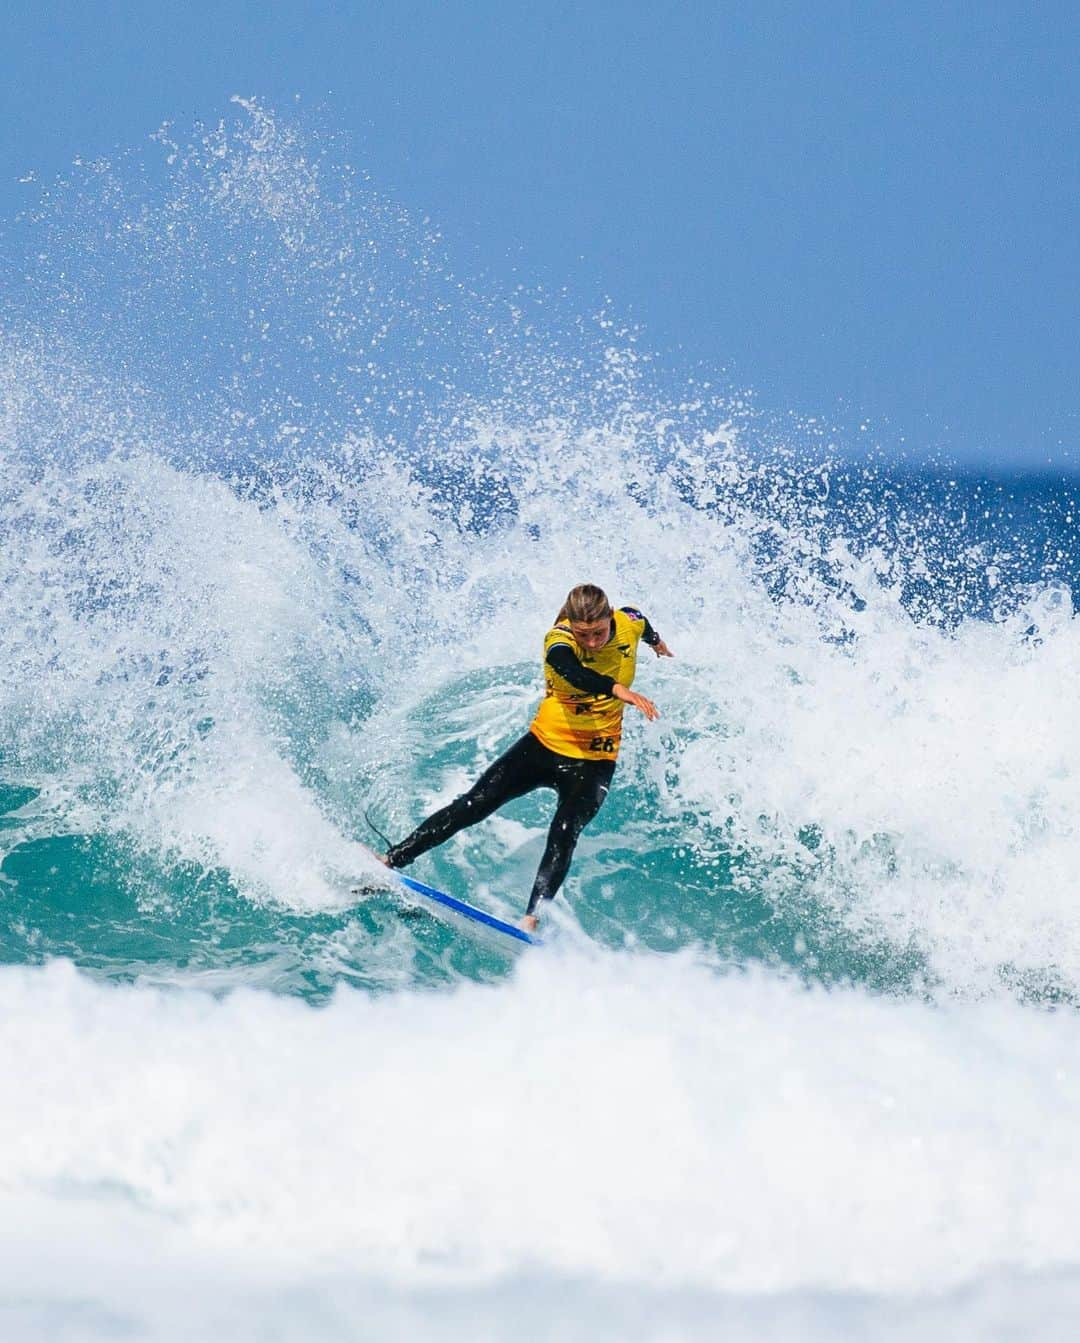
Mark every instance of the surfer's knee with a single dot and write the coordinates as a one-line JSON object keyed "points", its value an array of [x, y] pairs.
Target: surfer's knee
{"points": [[471, 803], [587, 811]]}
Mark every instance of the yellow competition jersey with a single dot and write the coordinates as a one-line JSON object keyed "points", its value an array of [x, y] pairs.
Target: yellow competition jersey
{"points": [[573, 722]]}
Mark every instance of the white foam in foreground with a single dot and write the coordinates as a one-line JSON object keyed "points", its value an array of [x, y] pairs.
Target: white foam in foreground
{"points": [[620, 1124]]}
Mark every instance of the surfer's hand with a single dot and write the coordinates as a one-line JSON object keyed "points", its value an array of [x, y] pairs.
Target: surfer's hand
{"points": [[647, 707], [662, 650], [529, 923]]}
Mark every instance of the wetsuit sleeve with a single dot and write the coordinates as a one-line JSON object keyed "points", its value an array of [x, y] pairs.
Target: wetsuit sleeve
{"points": [[561, 658], [649, 635]]}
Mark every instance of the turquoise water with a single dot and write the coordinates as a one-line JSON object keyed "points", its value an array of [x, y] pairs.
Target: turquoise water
{"points": [[286, 510]]}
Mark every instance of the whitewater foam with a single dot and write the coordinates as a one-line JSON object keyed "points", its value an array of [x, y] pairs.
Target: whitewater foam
{"points": [[623, 1118]]}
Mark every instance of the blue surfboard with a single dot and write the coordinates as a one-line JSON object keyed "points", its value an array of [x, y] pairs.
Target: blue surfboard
{"points": [[450, 909], [448, 904]]}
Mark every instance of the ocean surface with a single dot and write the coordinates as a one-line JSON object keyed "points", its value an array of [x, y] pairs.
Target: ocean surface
{"points": [[286, 507]]}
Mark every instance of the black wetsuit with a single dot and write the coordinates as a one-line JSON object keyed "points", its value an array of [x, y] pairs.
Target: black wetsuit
{"points": [[581, 785]]}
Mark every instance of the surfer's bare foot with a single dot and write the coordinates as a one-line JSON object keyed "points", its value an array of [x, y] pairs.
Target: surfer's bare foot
{"points": [[530, 923], [384, 859]]}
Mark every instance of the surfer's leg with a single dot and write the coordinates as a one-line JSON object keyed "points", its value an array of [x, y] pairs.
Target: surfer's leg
{"points": [[582, 789], [521, 769]]}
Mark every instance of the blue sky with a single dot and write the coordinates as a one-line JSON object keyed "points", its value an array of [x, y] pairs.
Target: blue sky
{"points": [[863, 211]]}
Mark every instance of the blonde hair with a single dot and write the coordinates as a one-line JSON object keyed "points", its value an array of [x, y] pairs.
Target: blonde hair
{"points": [[585, 603]]}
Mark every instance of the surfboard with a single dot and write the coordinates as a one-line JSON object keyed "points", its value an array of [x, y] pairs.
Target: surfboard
{"points": [[450, 909], [449, 904]]}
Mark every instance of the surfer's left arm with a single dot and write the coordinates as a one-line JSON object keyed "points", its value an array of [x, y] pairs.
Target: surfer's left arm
{"points": [[648, 634], [652, 638]]}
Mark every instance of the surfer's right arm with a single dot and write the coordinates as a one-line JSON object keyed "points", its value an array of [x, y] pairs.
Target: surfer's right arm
{"points": [[561, 657], [628, 696]]}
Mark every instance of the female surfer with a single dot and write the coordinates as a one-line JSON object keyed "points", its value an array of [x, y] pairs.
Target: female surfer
{"points": [[590, 655]]}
